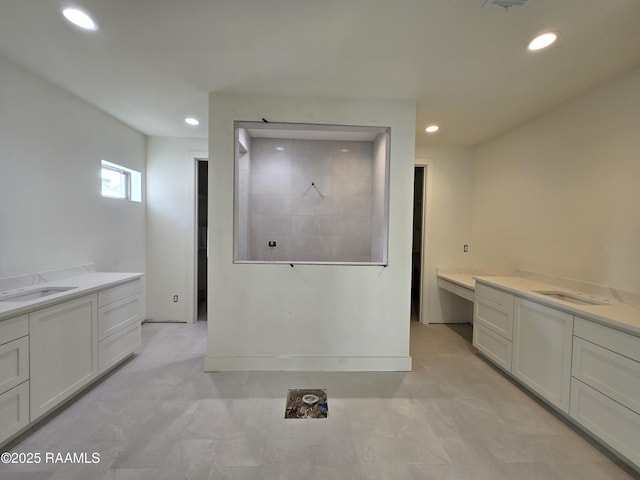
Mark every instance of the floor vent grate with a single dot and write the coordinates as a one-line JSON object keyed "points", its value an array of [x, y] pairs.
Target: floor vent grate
{"points": [[307, 403]]}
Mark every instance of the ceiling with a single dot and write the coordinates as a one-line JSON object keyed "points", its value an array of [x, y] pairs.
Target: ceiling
{"points": [[153, 62]]}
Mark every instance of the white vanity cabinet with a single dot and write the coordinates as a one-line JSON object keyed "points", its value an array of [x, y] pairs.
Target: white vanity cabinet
{"points": [[64, 353], [493, 324], [54, 347], [605, 385], [118, 323], [542, 339], [586, 368], [14, 375]]}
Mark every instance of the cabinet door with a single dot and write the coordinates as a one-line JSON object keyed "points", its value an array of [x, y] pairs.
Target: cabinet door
{"points": [[542, 338], [118, 346], [14, 410], [494, 346], [494, 316], [617, 376], [117, 316], [13, 328], [113, 294], [14, 363], [64, 351], [614, 424], [493, 294]]}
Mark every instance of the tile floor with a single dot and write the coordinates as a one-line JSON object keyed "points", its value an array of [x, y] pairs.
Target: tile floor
{"points": [[159, 416]]}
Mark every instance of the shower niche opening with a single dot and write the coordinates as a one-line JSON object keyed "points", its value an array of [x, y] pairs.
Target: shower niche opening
{"points": [[308, 193]]}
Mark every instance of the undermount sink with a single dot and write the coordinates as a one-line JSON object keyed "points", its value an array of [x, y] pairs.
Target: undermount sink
{"points": [[33, 294], [573, 298]]}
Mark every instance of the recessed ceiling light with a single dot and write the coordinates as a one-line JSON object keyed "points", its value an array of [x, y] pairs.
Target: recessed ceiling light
{"points": [[280, 149], [542, 41], [80, 19], [192, 121], [432, 129], [344, 150]]}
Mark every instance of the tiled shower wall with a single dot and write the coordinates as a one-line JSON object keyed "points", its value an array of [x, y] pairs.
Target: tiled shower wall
{"points": [[379, 199], [243, 194], [313, 198]]}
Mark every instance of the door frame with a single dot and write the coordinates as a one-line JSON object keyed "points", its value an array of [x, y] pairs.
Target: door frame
{"points": [[196, 156], [425, 253]]}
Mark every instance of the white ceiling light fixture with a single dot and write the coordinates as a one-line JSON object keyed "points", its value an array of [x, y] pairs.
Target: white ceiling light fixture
{"points": [[542, 41], [80, 19], [432, 129], [192, 121]]}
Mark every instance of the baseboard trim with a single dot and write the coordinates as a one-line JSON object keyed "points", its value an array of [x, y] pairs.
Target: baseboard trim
{"points": [[307, 364]]}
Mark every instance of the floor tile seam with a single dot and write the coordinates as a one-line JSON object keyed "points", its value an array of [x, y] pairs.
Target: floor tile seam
{"points": [[211, 458]]}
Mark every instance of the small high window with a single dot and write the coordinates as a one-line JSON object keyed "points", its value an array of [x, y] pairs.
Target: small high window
{"points": [[120, 182]]}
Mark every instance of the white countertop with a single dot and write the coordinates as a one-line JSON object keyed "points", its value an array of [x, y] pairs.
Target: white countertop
{"points": [[616, 314], [82, 285], [464, 280]]}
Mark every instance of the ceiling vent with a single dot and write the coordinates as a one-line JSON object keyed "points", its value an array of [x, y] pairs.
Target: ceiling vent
{"points": [[506, 4]]}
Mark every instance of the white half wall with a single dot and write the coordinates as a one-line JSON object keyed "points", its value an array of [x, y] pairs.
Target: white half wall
{"points": [[560, 195], [171, 216], [449, 206], [52, 214], [309, 317]]}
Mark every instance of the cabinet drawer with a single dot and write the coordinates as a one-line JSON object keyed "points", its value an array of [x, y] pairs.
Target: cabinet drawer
{"points": [[494, 346], [122, 343], [117, 315], [13, 328], [493, 316], [14, 411], [616, 376], [615, 425], [14, 363], [456, 289], [610, 338], [118, 292], [497, 296]]}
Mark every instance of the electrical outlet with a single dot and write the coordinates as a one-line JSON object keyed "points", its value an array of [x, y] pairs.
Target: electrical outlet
{"points": [[465, 248], [175, 299]]}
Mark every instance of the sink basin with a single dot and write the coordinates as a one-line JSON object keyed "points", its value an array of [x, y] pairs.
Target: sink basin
{"points": [[33, 294], [573, 298]]}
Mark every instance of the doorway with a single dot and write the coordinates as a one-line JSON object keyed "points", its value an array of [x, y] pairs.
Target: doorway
{"points": [[202, 183], [417, 242]]}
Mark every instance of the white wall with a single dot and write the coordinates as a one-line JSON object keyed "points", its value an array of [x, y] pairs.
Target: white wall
{"points": [[171, 191], [560, 194], [243, 194], [51, 212], [311, 317], [449, 190]]}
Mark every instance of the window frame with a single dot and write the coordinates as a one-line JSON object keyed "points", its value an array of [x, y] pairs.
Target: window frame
{"points": [[129, 176], [296, 131]]}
